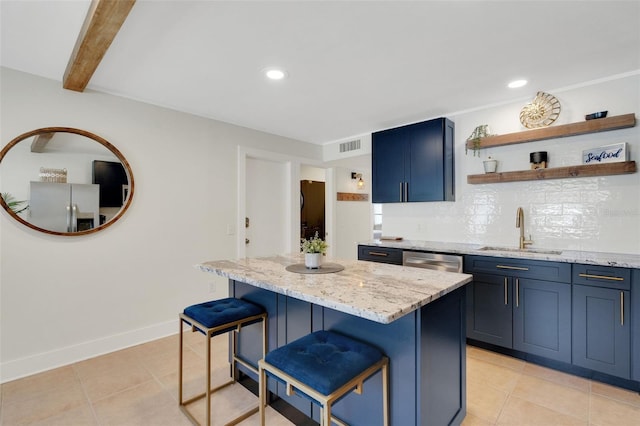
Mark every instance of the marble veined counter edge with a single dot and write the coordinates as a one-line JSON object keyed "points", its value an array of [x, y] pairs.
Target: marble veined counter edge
{"points": [[374, 291], [622, 260]]}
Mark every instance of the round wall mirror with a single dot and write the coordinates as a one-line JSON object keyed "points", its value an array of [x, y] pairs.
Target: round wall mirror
{"points": [[64, 181]]}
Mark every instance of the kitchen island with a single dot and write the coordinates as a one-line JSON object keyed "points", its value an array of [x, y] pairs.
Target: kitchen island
{"points": [[415, 316]]}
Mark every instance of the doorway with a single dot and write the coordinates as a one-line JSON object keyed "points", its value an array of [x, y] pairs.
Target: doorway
{"points": [[268, 180], [312, 209], [266, 215]]}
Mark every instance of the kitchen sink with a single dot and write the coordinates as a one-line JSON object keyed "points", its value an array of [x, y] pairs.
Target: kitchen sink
{"points": [[518, 250]]}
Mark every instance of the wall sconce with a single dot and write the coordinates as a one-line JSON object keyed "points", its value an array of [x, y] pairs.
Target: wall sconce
{"points": [[358, 176]]}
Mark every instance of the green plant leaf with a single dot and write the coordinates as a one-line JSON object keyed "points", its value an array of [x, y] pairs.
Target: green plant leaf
{"points": [[14, 204]]}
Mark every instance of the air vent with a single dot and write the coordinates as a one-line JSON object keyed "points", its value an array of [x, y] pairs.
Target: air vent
{"points": [[350, 146]]}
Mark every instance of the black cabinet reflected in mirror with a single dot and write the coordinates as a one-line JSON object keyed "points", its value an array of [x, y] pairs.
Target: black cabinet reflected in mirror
{"points": [[64, 181], [112, 178]]}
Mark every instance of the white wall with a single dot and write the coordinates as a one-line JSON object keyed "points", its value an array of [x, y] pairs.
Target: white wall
{"points": [[312, 173], [353, 219], [68, 298], [592, 214]]}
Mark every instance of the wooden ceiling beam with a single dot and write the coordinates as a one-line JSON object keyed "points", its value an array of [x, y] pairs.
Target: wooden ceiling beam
{"points": [[103, 21], [40, 141]]}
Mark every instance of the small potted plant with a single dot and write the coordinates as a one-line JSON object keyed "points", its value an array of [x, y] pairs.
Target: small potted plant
{"points": [[480, 132], [490, 165], [313, 249]]}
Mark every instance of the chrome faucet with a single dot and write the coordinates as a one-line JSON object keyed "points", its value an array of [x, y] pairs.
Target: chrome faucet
{"points": [[520, 224]]}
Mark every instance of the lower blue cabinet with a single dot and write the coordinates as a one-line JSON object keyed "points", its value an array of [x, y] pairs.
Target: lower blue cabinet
{"points": [[592, 322], [601, 330], [489, 311], [542, 318], [513, 310], [635, 316], [531, 316]]}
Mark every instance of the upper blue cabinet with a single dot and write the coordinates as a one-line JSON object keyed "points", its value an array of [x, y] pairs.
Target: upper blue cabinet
{"points": [[414, 163]]}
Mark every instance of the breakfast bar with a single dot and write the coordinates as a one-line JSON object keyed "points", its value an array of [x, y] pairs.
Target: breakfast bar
{"points": [[415, 316]]}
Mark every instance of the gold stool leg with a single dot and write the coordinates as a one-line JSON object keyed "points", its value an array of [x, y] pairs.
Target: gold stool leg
{"points": [[234, 354], [208, 370], [385, 394], [325, 414], [180, 363], [264, 337], [262, 394]]}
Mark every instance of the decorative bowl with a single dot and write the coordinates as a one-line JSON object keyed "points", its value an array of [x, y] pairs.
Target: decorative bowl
{"points": [[596, 115]]}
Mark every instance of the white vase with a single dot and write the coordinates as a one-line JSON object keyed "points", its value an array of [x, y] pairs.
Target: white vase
{"points": [[312, 260]]}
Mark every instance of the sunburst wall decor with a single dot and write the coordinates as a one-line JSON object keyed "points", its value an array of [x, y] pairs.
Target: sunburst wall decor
{"points": [[541, 112]]}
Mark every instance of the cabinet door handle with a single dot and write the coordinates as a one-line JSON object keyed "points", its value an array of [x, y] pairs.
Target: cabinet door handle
{"points": [[601, 277], [377, 253], [517, 292], [401, 191], [621, 308], [506, 295], [516, 268], [406, 191]]}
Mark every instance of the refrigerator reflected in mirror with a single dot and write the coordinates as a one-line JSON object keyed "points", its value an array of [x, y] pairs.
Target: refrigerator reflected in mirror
{"points": [[64, 207]]}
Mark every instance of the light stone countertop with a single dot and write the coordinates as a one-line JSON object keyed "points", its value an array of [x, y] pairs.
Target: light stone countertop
{"points": [[375, 291], [622, 260]]}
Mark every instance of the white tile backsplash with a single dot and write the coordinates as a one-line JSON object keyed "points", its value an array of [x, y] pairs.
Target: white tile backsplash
{"points": [[588, 214]]}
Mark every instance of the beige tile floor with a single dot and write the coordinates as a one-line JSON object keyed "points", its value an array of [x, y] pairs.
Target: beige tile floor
{"points": [[506, 391], [138, 386]]}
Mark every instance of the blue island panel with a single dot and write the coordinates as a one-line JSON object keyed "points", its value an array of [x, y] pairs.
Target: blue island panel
{"points": [[426, 349]]}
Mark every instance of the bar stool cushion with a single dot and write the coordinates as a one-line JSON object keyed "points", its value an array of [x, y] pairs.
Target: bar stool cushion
{"points": [[324, 360], [223, 311]]}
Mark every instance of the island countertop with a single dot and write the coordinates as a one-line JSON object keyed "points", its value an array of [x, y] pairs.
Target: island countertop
{"points": [[374, 291]]}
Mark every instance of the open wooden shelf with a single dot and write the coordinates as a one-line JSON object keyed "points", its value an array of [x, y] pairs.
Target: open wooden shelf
{"points": [[352, 196], [589, 170], [560, 131]]}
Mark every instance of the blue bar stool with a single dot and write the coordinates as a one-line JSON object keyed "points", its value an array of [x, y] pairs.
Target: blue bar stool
{"points": [[213, 318], [324, 366]]}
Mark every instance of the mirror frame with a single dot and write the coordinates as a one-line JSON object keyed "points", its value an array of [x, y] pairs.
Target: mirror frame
{"points": [[89, 135]]}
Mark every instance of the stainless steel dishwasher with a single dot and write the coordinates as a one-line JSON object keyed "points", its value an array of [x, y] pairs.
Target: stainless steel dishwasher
{"points": [[437, 261]]}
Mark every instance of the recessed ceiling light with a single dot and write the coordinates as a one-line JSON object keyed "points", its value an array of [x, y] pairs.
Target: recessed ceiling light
{"points": [[275, 73], [517, 83]]}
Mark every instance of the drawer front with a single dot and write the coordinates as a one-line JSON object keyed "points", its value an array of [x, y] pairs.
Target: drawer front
{"points": [[602, 276], [380, 254], [523, 268]]}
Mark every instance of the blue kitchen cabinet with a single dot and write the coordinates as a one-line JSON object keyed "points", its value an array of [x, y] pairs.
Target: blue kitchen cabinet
{"points": [[601, 319], [388, 164], [414, 163], [512, 309], [521, 268], [380, 254], [635, 315], [542, 318], [489, 311]]}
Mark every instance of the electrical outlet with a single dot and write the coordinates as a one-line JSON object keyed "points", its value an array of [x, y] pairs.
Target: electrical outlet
{"points": [[230, 230], [212, 287]]}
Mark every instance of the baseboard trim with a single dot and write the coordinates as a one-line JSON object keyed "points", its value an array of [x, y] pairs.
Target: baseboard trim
{"points": [[27, 366]]}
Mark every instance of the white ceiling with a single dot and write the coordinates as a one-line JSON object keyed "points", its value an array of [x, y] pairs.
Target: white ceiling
{"points": [[354, 66]]}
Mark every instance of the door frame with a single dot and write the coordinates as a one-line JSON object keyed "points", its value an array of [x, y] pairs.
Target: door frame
{"points": [[292, 168]]}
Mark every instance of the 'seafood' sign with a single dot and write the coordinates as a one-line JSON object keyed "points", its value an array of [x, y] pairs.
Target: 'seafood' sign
{"points": [[606, 154]]}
